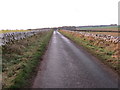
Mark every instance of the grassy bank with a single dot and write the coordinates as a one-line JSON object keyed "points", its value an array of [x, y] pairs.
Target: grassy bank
{"points": [[106, 51], [21, 58]]}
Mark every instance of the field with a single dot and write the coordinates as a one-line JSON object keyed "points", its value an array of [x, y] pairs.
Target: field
{"points": [[20, 57], [109, 28], [7, 31], [108, 31]]}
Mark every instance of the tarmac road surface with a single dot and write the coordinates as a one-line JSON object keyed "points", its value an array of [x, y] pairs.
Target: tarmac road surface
{"points": [[65, 65]]}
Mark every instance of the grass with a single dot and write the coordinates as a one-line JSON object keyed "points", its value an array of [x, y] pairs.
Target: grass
{"points": [[7, 31], [21, 58], [102, 51], [109, 28]]}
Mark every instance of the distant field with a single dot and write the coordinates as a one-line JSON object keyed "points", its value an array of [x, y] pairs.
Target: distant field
{"points": [[111, 28], [99, 29], [6, 31]]}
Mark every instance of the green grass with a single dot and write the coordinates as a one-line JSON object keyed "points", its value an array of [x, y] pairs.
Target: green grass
{"points": [[109, 27], [20, 59]]}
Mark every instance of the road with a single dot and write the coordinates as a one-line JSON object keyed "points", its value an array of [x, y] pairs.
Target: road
{"points": [[65, 65]]}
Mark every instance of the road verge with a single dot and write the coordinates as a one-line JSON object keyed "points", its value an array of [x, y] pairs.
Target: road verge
{"points": [[21, 58], [107, 52]]}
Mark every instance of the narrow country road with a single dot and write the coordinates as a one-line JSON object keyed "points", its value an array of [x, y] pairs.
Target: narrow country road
{"points": [[65, 65]]}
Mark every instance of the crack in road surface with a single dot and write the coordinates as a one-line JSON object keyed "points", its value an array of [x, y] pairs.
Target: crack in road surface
{"points": [[65, 65]]}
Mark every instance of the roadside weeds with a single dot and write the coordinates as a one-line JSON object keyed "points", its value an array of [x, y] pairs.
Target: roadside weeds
{"points": [[99, 48], [21, 58]]}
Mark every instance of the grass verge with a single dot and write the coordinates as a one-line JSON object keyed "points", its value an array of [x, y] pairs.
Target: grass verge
{"points": [[105, 51], [21, 58]]}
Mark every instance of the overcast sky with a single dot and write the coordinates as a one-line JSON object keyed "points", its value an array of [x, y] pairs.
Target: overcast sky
{"points": [[25, 14]]}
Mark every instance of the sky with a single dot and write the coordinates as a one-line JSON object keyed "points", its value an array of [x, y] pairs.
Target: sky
{"points": [[28, 14]]}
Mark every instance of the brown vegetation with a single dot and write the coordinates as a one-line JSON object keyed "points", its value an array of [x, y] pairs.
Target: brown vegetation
{"points": [[21, 57], [107, 49]]}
